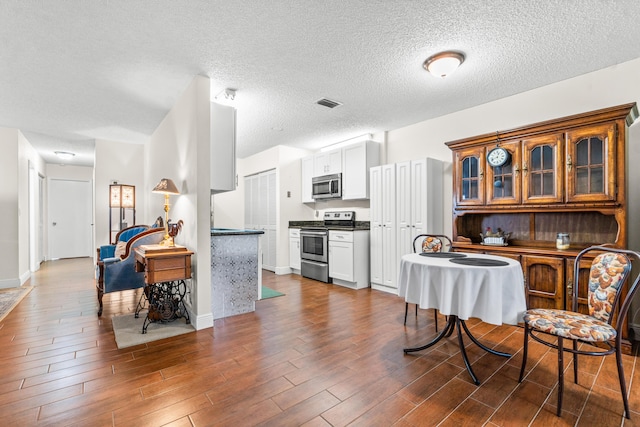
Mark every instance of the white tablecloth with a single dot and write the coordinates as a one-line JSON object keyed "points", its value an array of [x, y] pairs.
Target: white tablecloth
{"points": [[495, 295]]}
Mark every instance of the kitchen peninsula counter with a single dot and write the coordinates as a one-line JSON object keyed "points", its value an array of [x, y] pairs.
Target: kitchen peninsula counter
{"points": [[236, 265]]}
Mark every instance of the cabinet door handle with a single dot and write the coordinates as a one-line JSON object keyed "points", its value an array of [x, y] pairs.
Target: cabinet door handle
{"points": [[525, 168], [481, 174], [516, 169], [570, 287], [569, 163]]}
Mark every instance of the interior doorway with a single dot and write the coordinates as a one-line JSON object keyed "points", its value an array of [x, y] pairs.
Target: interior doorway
{"points": [[70, 227]]}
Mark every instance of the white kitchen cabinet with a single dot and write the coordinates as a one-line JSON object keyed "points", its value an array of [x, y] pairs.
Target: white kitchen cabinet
{"points": [[222, 148], [294, 250], [418, 201], [353, 162], [349, 258], [357, 159], [307, 174], [383, 228], [327, 163], [406, 200]]}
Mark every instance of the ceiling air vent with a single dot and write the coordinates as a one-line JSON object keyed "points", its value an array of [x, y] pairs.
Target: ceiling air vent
{"points": [[328, 103]]}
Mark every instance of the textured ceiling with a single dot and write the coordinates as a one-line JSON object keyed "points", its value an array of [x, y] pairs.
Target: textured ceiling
{"points": [[75, 71]]}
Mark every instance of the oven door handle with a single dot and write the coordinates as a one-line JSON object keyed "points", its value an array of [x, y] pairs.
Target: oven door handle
{"points": [[318, 263], [313, 233]]}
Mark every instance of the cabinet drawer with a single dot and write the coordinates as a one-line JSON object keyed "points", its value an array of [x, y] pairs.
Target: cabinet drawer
{"points": [[341, 236], [294, 232]]}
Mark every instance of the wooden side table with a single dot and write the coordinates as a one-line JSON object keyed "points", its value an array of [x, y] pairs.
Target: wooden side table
{"points": [[165, 270]]}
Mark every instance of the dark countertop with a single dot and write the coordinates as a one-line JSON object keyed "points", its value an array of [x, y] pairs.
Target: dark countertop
{"points": [[360, 225], [233, 232]]}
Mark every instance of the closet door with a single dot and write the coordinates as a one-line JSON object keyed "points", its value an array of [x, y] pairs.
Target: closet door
{"points": [[261, 213]]}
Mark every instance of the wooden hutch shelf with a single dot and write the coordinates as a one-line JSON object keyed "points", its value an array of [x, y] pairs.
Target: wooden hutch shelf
{"points": [[564, 175]]}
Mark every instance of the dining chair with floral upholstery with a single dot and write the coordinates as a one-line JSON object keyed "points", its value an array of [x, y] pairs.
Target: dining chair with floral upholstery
{"points": [[429, 243], [599, 332]]}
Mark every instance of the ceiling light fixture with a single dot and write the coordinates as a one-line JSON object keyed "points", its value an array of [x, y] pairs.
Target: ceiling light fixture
{"points": [[225, 96], [443, 64], [64, 155]]}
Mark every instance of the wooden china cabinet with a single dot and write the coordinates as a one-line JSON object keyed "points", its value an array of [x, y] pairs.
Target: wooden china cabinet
{"points": [[564, 175]]}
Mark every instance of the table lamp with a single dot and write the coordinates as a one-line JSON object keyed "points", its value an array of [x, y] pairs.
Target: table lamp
{"points": [[166, 187]]}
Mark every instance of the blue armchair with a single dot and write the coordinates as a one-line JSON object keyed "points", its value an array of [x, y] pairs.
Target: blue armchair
{"points": [[118, 273], [109, 251]]}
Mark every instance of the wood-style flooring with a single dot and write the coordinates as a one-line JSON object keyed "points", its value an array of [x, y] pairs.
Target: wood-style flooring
{"points": [[320, 355]]}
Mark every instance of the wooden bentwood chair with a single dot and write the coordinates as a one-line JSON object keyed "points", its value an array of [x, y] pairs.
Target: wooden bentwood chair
{"points": [[609, 271], [429, 243]]}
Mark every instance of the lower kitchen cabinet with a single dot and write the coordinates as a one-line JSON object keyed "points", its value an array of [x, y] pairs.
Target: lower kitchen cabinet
{"points": [[294, 250], [349, 258]]}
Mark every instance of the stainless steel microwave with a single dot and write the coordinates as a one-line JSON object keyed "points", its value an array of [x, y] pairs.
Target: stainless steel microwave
{"points": [[327, 187]]}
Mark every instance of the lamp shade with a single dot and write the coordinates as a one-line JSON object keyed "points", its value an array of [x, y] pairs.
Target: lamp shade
{"points": [[443, 63], [122, 196], [166, 186]]}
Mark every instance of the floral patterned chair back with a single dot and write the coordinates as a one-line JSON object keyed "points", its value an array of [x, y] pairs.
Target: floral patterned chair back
{"points": [[606, 278], [432, 243]]}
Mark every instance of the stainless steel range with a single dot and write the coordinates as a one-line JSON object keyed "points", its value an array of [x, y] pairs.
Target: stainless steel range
{"points": [[314, 254]]}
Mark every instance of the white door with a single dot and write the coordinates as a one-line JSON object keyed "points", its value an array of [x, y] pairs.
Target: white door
{"points": [[404, 200], [70, 227], [375, 213], [389, 257], [272, 223]]}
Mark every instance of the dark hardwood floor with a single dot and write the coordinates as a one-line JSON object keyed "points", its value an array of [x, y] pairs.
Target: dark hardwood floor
{"points": [[321, 355]]}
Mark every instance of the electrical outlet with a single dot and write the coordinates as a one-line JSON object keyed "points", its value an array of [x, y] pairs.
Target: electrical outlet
{"points": [[288, 194]]}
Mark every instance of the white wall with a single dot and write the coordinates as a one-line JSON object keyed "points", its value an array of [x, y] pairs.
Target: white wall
{"points": [[179, 150], [9, 209], [26, 155], [122, 162], [17, 153]]}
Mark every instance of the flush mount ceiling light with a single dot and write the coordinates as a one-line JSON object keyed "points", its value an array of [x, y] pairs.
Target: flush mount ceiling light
{"points": [[444, 63], [64, 155], [226, 95]]}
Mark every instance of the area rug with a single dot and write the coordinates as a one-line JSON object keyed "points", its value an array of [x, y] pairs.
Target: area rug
{"points": [[270, 293], [128, 330], [10, 297]]}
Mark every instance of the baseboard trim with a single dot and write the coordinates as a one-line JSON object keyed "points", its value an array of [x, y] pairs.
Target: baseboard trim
{"points": [[383, 288], [282, 270], [24, 277], [203, 321], [9, 283]]}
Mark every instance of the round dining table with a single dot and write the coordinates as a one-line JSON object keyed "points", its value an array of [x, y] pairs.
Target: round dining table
{"points": [[463, 286]]}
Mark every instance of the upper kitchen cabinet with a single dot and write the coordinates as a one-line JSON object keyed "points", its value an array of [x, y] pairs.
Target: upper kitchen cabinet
{"points": [[357, 159], [353, 161], [327, 163], [307, 174], [222, 148]]}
